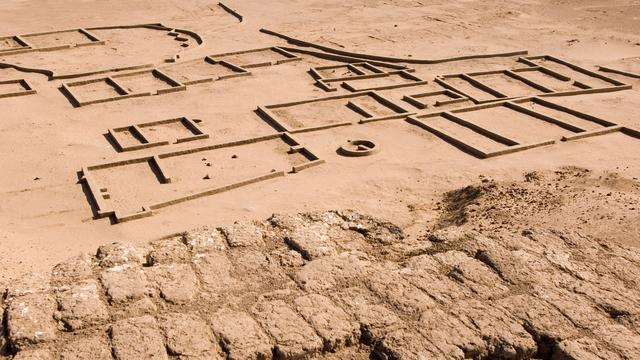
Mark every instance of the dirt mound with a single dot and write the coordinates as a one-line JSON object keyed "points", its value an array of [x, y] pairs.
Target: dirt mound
{"points": [[340, 284], [604, 205]]}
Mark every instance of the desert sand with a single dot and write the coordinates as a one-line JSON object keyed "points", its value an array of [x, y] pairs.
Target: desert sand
{"points": [[295, 179]]}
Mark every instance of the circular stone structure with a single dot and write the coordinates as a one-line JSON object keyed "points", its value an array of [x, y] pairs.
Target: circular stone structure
{"points": [[358, 148]]}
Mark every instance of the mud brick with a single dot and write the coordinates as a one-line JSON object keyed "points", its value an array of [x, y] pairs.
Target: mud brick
{"points": [[318, 234], [620, 339], [243, 234], [375, 231], [29, 284], [137, 308], [615, 300], [73, 270], [215, 271], [374, 318], [578, 309], [205, 239], [294, 337], [168, 251], [124, 283], [30, 320], [509, 265], [504, 336], [188, 336], [584, 348], [312, 241], [177, 282], [389, 283], [630, 253], [547, 325], [119, 254], [423, 272], [258, 270], [472, 273], [95, 347], [80, 306], [137, 338], [405, 343], [34, 354], [288, 221], [328, 272], [240, 335], [451, 336], [336, 328]]}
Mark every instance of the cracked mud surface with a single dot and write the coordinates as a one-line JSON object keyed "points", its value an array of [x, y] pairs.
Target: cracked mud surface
{"points": [[501, 273]]}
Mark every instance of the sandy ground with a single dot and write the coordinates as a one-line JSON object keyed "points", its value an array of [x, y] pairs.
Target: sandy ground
{"points": [[43, 137], [47, 214]]}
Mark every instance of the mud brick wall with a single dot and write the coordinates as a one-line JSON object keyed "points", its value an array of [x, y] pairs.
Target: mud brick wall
{"points": [[332, 285]]}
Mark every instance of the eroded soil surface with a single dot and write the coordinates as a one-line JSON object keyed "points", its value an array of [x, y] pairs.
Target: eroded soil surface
{"points": [[500, 272]]}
